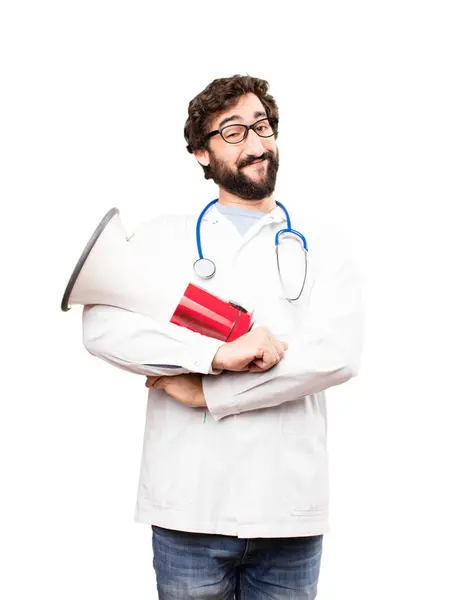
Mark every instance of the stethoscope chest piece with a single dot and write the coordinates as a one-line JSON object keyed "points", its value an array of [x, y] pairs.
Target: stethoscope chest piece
{"points": [[204, 268]]}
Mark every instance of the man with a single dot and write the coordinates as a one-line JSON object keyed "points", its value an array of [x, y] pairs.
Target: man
{"points": [[234, 475]]}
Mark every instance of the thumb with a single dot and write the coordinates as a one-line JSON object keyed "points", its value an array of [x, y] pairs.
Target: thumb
{"points": [[151, 381]]}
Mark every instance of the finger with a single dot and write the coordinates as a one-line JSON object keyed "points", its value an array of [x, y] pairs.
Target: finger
{"points": [[270, 358], [259, 365], [150, 381], [159, 383], [153, 382], [279, 348], [275, 353], [285, 346], [256, 368]]}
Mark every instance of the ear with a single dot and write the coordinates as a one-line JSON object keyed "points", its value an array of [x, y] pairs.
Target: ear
{"points": [[202, 157]]}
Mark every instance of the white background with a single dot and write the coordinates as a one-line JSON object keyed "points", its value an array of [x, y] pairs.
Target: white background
{"points": [[93, 102]]}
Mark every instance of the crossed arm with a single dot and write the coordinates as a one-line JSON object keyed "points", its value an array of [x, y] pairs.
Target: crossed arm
{"points": [[122, 338], [255, 352], [325, 352]]}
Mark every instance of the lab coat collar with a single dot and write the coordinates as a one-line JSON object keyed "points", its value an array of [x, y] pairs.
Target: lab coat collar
{"points": [[274, 216]]}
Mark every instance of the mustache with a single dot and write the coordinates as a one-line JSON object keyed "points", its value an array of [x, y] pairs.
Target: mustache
{"points": [[250, 159]]}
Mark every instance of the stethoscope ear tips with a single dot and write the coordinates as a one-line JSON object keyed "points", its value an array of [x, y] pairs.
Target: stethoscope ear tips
{"points": [[204, 268]]}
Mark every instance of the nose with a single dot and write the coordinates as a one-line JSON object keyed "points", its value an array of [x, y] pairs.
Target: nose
{"points": [[254, 144]]}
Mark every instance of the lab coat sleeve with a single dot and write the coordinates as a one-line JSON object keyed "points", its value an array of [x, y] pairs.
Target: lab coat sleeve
{"points": [[138, 344], [324, 353]]}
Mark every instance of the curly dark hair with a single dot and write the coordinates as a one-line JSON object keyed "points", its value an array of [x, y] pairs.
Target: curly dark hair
{"points": [[218, 96]]}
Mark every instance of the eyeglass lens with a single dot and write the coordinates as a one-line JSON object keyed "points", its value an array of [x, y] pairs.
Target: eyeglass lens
{"points": [[235, 133]]}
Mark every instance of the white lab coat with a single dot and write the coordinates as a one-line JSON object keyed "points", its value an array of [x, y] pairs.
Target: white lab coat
{"points": [[255, 462]]}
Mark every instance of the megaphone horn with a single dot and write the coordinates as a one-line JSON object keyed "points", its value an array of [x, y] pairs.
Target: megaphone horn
{"points": [[81, 261], [112, 271]]}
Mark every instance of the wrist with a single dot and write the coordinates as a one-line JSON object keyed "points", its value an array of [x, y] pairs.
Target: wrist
{"points": [[217, 362], [200, 401]]}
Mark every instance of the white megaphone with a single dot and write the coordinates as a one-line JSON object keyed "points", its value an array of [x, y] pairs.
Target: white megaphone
{"points": [[112, 271]]}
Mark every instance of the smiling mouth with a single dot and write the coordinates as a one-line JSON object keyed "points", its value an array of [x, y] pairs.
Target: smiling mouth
{"points": [[256, 162]]}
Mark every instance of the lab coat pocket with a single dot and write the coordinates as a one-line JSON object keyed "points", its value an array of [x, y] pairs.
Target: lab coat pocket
{"points": [[172, 453], [306, 481], [174, 469]]}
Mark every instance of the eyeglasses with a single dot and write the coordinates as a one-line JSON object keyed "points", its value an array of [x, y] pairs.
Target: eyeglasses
{"points": [[234, 134]]}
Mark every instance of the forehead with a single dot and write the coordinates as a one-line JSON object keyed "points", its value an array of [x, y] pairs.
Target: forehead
{"points": [[245, 107]]}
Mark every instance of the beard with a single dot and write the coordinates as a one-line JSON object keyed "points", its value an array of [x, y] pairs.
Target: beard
{"points": [[239, 184]]}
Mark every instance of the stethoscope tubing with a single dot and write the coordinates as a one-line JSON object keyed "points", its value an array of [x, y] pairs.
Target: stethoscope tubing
{"points": [[287, 230]]}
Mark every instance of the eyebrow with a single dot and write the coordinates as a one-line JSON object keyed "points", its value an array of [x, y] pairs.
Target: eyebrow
{"points": [[257, 114]]}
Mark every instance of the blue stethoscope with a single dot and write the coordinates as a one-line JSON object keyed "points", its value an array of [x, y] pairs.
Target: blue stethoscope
{"points": [[205, 268]]}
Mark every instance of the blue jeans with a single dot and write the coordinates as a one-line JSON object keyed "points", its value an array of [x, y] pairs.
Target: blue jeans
{"points": [[219, 567]]}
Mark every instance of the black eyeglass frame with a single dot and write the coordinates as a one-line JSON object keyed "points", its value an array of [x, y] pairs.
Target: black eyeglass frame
{"points": [[272, 120]]}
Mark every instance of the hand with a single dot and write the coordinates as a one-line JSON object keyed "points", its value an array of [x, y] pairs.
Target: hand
{"points": [[186, 389], [255, 351]]}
